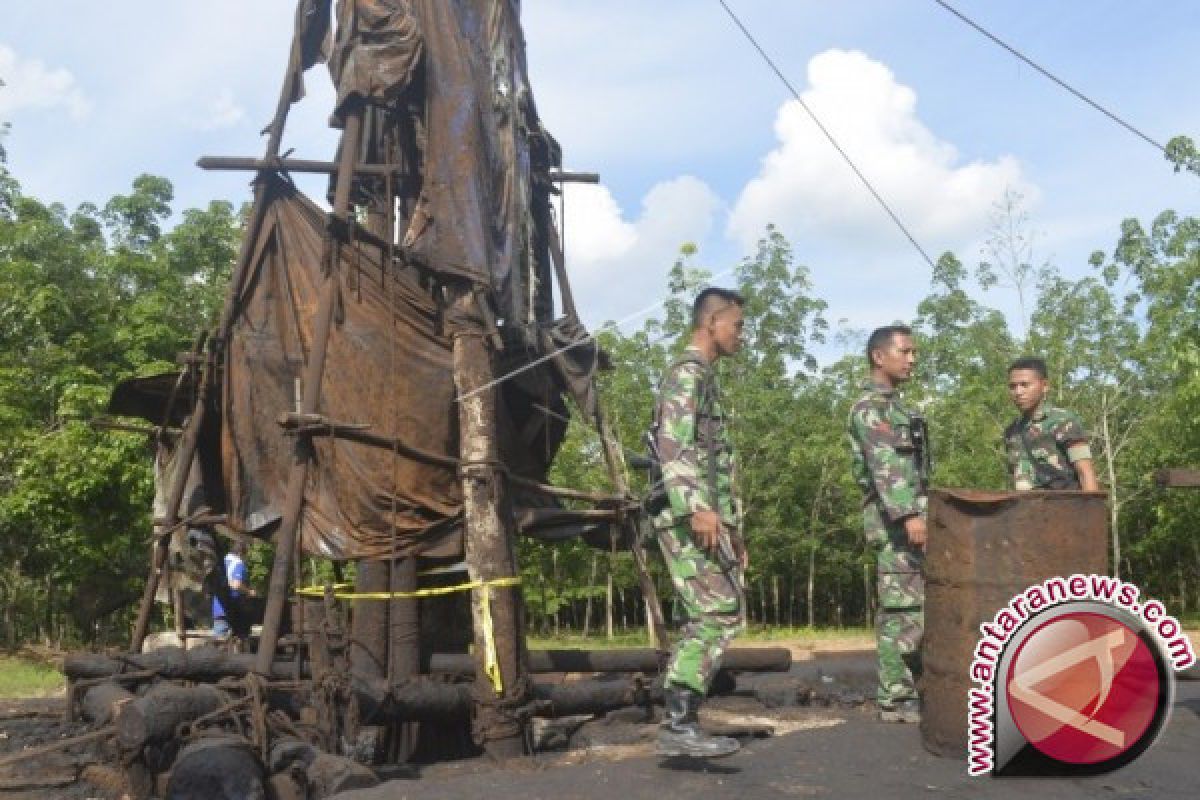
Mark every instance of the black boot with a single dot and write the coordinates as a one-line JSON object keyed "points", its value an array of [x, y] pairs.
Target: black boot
{"points": [[680, 734]]}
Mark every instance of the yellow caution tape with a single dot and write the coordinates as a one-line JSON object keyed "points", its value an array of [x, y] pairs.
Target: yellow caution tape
{"points": [[491, 663], [434, 591]]}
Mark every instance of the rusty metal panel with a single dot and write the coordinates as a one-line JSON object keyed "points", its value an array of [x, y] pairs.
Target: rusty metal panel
{"points": [[985, 548]]}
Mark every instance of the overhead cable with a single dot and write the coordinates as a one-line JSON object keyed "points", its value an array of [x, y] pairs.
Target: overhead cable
{"points": [[1048, 74], [845, 156]]}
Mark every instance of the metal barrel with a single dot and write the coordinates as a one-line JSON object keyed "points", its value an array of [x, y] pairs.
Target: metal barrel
{"points": [[985, 548]]}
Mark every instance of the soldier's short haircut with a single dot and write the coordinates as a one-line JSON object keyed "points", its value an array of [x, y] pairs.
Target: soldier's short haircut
{"points": [[882, 337], [1034, 363], [714, 299]]}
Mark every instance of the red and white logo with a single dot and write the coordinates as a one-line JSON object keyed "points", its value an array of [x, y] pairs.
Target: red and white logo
{"points": [[1084, 688]]}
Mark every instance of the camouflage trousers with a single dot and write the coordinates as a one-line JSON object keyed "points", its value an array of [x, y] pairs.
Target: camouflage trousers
{"points": [[900, 620], [712, 605]]}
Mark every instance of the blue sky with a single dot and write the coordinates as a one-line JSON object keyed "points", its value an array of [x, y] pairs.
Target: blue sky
{"points": [[694, 138]]}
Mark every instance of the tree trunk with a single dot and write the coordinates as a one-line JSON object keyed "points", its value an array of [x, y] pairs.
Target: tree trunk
{"points": [[1114, 503], [587, 608], [557, 582], [608, 604], [489, 540], [775, 598]]}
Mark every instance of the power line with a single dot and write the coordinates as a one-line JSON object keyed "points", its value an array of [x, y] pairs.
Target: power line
{"points": [[879, 198], [1111, 115]]}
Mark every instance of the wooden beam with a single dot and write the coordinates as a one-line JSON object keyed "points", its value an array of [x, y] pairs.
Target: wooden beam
{"points": [[246, 164], [1177, 478]]}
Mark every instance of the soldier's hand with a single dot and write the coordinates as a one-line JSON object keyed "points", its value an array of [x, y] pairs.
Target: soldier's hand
{"points": [[706, 527], [914, 526]]}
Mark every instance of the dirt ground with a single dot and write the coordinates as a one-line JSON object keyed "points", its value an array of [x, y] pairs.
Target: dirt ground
{"points": [[810, 732]]}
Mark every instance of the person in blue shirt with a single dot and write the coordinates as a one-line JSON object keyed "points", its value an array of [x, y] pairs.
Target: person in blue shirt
{"points": [[236, 576]]}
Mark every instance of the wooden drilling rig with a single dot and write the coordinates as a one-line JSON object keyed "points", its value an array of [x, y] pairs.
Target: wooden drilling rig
{"points": [[386, 387]]}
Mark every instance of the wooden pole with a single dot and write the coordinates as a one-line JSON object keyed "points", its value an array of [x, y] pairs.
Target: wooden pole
{"points": [[497, 611], [616, 470], [187, 445], [285, 540]]}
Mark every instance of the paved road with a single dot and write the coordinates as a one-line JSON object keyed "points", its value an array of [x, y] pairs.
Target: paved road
{"points": [[858, 758]]}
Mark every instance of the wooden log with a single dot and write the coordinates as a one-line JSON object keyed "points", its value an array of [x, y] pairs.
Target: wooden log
{"points": [[739, 659], [497, 611], [432, 700], [329, 774], [1178, 478], [102, 702], [157, 715], [200, 664], [219, 768]]}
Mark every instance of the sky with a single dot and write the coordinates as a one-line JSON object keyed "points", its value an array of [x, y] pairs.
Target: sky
{"points": [[694, 139]]}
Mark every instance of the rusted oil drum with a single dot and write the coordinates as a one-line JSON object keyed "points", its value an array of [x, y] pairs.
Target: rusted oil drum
{"points": [[984, 548]]}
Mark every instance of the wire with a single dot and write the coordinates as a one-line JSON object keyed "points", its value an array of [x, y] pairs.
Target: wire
{"points": [[845, 156], [1111, 115], [577, 343]]}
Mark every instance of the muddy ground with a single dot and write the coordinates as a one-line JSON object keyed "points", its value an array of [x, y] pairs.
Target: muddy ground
{"points": [[808, 733], [816, 752]]}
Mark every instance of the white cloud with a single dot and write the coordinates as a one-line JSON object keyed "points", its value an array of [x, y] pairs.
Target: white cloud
{"points": [[805, 187], [222, 112], [29, 83], [620, 266], [595, 230]]}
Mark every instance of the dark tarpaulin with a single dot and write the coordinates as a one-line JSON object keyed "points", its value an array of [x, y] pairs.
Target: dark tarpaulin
{"points": [[377, 51], [312, 40], [389, 367], [471, 212], [149, 396]]}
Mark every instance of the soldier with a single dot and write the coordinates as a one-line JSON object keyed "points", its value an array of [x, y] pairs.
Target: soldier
{"points": [[1047, 447], [697, 528], [890, 450]]}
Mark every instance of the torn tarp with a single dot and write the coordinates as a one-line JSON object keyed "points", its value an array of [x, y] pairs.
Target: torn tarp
{"points": [[389, 367]]}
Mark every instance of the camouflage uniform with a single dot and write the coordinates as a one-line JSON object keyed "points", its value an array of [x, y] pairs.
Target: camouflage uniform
{"points": [[886, 465], [691, 425], [1043, 448]]}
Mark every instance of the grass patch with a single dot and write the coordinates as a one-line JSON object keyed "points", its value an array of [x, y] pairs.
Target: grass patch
{"points": [[822, 636], [762, 634], [573, 640], [23, 678]]}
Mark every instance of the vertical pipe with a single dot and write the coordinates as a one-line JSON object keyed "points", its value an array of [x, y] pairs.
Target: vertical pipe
{"points": [[369, 622], [404, 648]]}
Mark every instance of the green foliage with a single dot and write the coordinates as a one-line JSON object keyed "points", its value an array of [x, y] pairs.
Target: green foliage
{"points": [[1181, 151], [105, 292], [1123, 348], [87, 299]]}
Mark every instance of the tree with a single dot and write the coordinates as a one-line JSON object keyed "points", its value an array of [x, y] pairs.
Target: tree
{"points": [[87, 299]]}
